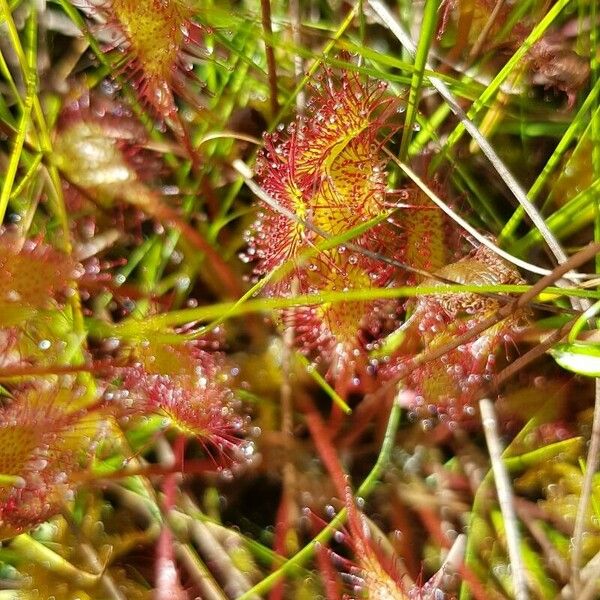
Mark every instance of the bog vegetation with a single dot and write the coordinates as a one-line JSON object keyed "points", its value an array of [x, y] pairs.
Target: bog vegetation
{"points": [[299, 299]]}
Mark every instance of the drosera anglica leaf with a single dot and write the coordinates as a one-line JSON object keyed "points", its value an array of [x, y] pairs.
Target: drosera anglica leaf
{"points": [[33, 276], [328, 170], [446, 388], [157, 37], [44, 447], [429, 237], [190, 390]]}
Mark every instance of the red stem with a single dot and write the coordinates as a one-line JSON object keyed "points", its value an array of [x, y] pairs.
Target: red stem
{"points": [[281, 529]]}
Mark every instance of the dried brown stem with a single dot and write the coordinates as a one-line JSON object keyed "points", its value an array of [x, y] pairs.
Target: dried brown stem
{"points": [[486, 30], [265, 6], [527, 358], [505, 497]]}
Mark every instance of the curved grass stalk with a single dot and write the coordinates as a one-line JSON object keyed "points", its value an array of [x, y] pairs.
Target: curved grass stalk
{"points": [[570, 447], [366, 70], [190, 512], [218, 313], [396, 63], [463, 223]]}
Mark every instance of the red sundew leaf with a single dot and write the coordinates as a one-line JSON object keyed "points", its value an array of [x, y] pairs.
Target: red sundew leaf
{"points": [[483, 267], [191, 393], [337, 330], [33, 275], [328, 171], [429, 239], [43, 447], [448, 387], [341, 114], [375, 571], [156, 36], [275, 239], [352, 190]]}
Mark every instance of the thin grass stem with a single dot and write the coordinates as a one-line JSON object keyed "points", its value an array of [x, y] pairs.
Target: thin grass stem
{"points": [[505, 497], [430, 13]]}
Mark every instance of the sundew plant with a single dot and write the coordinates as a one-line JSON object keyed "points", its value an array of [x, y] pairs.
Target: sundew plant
{"points": [[299, 299]]}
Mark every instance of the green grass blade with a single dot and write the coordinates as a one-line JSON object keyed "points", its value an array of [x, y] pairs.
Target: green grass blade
{"points": [[430, 13], [575, 127]]}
